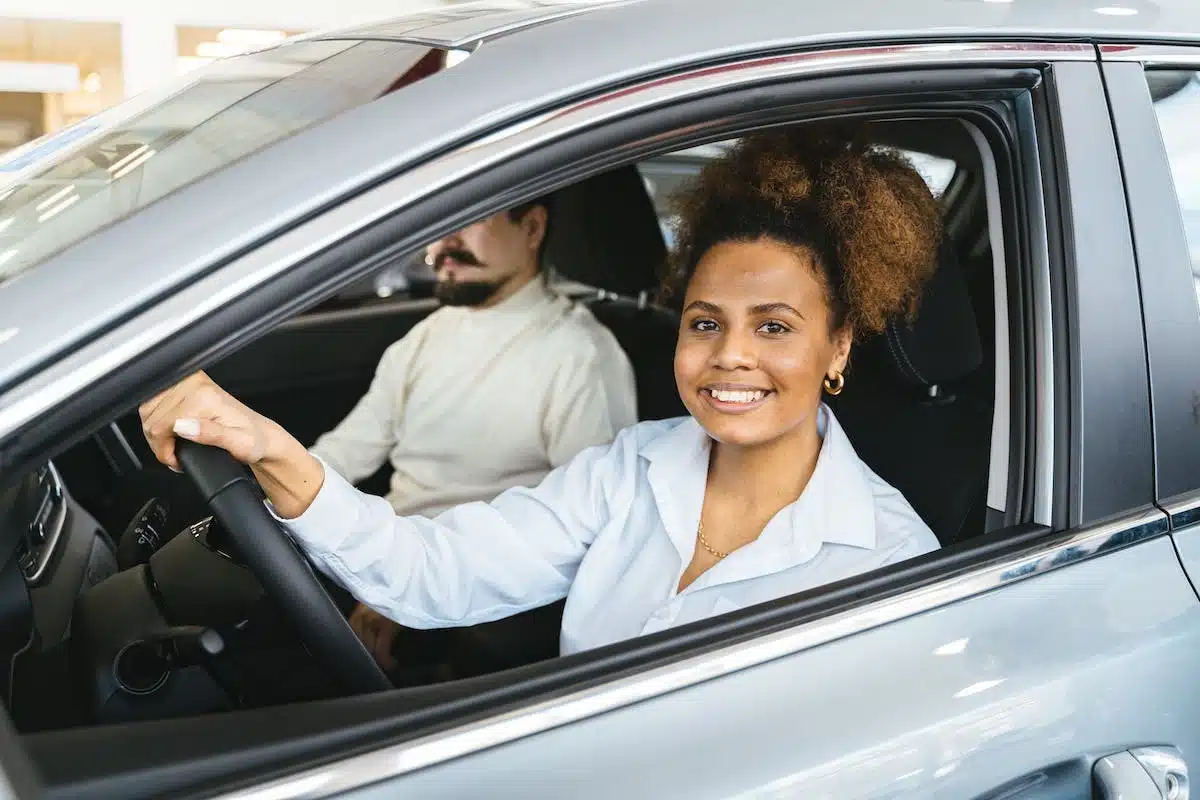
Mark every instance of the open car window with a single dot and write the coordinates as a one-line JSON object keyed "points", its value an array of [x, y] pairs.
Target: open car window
{"points": [[410, 277]]}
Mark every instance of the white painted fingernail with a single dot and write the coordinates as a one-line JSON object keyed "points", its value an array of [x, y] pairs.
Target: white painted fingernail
{"points": [[187, 428]]}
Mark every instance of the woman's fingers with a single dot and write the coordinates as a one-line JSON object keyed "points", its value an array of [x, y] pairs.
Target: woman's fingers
{"points": [[199, 410]]}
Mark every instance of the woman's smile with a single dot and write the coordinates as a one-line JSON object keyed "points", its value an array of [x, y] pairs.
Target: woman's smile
{"points": [[735, 398]]}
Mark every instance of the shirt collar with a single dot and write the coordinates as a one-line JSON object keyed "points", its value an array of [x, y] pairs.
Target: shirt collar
{"points": [[837, 505]]}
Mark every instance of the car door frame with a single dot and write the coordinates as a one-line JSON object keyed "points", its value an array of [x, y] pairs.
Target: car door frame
{"points": [[1168, 288], [195, 326]]}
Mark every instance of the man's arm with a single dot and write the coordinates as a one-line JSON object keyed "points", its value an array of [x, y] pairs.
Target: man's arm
{"points": [[361, 442], [592, 398]]}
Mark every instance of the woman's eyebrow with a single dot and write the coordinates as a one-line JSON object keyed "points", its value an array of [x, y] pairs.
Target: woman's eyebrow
{"points": [[773, 308], [702, 305]]}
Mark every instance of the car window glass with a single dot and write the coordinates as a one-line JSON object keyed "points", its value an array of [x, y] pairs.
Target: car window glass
{"points": [[1176, 97], [60, 190]]}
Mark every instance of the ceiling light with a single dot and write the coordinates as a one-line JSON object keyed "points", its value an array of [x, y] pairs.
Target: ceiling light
{"points": [[951, 648], [142, 158], [185, 64], [213, 50], [54, 197], [92, 83], [249, 37], [976, 688], [1116, 11], [63, 206]]}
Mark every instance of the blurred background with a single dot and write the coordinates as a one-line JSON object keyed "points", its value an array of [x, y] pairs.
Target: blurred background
{"points": [[63, 60]]}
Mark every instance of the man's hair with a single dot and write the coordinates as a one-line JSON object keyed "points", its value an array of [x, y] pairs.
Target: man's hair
{"points": [[518, 213]]}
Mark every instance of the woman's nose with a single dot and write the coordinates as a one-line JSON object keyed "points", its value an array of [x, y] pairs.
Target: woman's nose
{"points": [[735, 351]]}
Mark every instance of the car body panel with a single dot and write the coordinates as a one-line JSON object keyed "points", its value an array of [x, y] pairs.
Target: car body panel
{"points": [[1054, 670]]}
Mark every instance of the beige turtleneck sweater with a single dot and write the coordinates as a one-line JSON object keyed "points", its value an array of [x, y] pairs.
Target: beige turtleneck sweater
{"points": [[474, 401]]}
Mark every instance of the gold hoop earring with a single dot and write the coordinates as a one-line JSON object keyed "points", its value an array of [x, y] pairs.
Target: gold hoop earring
{"points": [[835, 384]]}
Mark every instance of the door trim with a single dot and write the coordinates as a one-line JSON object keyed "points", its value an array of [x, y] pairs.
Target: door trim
{"points": [[1155, 55], [393, 761]]}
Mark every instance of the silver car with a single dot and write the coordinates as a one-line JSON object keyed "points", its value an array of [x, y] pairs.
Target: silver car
{"points": [[1042, 414]]}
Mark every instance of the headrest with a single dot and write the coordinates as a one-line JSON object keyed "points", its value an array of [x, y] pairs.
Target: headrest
{"points": [[604, 232], [942, 344]]}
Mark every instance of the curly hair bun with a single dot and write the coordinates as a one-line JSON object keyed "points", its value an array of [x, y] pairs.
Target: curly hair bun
{"points": [[863, 211]]}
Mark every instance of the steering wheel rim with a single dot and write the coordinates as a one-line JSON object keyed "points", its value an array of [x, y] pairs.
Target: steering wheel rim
{"points": [[280, 567]]}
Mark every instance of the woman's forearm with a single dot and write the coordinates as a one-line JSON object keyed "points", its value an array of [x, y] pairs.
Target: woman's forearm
{"points": [[289, 474]]}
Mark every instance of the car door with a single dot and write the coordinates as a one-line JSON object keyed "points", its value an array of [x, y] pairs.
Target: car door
{"points": [[1052, 660], [1061, 645], [1156, 102]]}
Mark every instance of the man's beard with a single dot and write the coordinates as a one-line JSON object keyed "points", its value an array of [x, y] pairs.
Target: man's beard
{"points": [[465, 293], [459, 292]]}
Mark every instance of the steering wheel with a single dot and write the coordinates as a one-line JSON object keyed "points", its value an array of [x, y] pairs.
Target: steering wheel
{"points": [[285, 574]]}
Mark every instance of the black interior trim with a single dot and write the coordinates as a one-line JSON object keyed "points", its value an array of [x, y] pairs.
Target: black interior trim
{"points": [[191, 755]]}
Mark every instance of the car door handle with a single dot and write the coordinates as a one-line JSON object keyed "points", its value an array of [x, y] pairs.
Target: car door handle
{"points": [[1144, 773]]}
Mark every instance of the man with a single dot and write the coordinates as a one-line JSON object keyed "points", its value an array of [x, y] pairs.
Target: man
{"points": [[504, 382]]}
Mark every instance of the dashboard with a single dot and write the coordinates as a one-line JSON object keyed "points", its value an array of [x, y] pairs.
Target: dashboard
{"points": [[51, 549]]}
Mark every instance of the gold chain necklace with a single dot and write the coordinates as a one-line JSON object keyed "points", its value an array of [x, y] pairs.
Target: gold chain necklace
{"points": [[715, 553]]}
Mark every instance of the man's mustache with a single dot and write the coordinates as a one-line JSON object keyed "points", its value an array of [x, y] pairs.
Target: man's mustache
{"points": [[464, 257]]}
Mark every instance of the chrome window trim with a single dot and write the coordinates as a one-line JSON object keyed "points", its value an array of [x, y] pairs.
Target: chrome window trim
{"points": [[85, 365], [393, 761], [1157, 55], [1184, 510]]}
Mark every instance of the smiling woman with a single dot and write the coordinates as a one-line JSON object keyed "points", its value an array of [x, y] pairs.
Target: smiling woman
{"points": [[790, 242]]}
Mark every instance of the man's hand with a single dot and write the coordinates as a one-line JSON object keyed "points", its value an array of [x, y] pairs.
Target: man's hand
{"points": [[377, 633]]}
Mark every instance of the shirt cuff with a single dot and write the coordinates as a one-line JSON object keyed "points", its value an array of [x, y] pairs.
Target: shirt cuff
{"points": [[323, 524]]}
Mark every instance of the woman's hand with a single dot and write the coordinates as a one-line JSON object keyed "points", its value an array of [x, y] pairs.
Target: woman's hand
{"points": [[199, 410], [377, 633]]}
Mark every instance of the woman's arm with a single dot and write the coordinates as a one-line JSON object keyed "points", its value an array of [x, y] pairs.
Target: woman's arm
{"points": [[474, 563]]}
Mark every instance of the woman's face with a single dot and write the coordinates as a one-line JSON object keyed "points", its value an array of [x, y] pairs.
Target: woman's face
{"points": [[755, 343]]}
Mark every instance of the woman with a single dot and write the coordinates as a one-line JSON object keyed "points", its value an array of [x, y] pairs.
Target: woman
{"points": [[789, 246]]}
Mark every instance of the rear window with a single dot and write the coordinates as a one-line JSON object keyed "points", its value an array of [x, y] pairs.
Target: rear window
{"points": [[60, 189]]}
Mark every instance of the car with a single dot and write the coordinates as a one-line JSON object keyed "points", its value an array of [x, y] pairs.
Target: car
{"points": [[1041, 413]]}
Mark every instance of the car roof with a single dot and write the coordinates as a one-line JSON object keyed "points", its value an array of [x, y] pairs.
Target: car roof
{"points": [[527, 55], [763, 21]]}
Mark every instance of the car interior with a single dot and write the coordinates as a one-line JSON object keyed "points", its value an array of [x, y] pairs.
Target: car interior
{"points": [[126, 600]]}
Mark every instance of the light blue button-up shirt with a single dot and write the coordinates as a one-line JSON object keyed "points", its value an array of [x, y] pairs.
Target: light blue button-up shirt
{"points": [[612, 531]]}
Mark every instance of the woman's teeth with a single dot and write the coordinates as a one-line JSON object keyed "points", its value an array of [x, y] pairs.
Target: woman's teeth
{"points": [[727, 396]]}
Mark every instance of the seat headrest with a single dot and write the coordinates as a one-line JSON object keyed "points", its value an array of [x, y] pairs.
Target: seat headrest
{"points": [[604, 232], [942, 344]]}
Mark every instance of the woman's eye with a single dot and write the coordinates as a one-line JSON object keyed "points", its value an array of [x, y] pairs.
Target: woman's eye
{"points": [[704, 325], [773, 328]]}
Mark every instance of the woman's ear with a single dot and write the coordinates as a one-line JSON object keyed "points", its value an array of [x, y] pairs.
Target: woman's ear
{"points": [[843, 340]]}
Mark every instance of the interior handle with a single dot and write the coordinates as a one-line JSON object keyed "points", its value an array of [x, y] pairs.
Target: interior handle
{"points": [[1143, 773]]}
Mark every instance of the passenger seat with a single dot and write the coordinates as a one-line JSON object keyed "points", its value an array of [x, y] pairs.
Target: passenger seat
{"points": [[604, 233]]}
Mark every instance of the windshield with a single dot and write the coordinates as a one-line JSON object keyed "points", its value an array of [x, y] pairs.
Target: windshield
{"points": [[64, 187]]}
